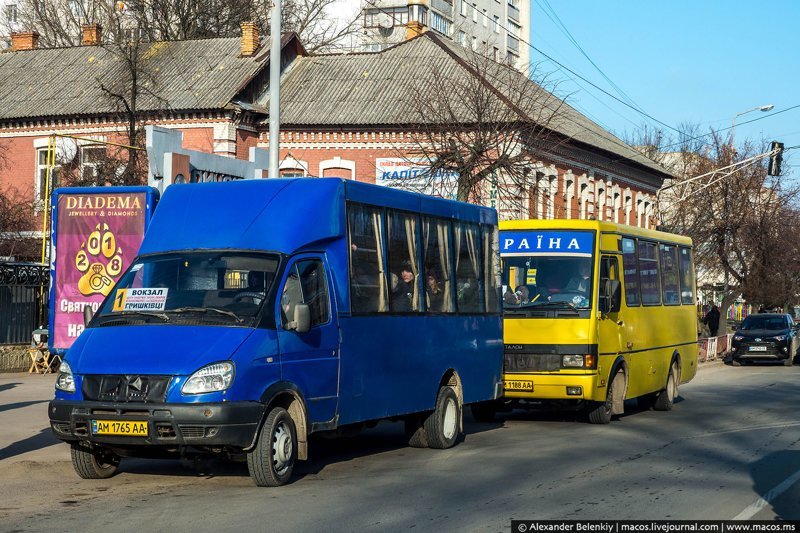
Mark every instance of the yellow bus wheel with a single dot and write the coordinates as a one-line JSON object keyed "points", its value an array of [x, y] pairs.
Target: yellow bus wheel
{"points": [[666, 398]]}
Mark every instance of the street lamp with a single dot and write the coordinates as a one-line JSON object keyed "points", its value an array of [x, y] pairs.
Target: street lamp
{"points": [[767, 107]]}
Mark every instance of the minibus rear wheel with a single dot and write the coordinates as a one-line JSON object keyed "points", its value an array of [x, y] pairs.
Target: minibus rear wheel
{"points": [[443, 425], [272, 460], [93, 462], [666, 397]]}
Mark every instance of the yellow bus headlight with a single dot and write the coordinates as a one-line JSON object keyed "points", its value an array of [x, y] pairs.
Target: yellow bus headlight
{"points": [[572, 361]]}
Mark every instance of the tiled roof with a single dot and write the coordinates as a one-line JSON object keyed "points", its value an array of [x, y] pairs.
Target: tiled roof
{"points": [[375, 88], [191, 75]]}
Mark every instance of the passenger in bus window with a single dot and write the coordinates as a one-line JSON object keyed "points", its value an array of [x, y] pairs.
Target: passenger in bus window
{"points": [[403, 293], [523, 294], [434, 292], [510, 297]]}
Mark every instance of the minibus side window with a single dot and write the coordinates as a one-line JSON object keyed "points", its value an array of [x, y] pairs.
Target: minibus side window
{"points": [[403, 250], [631, 272], [648, 273], [491, 268], [468, 270], [687, 283], [669, 274], [608, 271], [306, 284], [436, 260], [368, 289]]}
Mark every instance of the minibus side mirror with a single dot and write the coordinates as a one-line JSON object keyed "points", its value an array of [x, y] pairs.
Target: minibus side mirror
{"points": [[87, 315], [302, 319], [612, 296]]}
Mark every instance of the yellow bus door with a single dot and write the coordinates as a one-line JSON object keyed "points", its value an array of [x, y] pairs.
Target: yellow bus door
{"points": [[611, 327]]}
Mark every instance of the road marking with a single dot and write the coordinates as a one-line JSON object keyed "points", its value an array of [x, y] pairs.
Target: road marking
{"points": [[767, 498]]}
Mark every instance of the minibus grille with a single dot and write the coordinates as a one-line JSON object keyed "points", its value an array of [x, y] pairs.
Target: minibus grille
{"points": [[125, 388], [532, 362]]}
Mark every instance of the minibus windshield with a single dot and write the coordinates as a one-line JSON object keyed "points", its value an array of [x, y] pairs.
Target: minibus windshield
{"points": [[546, 281], [216, 288]]}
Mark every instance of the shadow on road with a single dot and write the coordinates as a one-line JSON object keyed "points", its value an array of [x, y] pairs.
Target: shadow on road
{"points": [[43, 439], [20, 405], [8, 386], [769, 473]]}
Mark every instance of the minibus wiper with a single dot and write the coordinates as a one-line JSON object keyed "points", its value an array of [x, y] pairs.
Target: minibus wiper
{"points": [[204, 309], [162, 316], [569, 305]]}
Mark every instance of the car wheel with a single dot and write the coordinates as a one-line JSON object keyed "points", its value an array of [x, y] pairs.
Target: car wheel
{"points": [[415, 432], [443, 425], [736, 362], [788, 361], [272, 460], [93, 462]]}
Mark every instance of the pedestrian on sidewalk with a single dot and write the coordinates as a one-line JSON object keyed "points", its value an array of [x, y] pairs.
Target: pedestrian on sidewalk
{"points": [[712, 320]]}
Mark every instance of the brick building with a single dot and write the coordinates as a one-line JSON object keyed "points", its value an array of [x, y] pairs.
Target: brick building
{"points": [[342, 115]]}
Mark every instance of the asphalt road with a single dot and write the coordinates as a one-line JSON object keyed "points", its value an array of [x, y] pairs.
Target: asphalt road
{"points": [[729, 449]]}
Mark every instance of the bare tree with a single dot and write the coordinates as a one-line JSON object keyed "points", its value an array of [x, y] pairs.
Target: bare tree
{"points": [[481, 124], [741, 220], [59, 21], [16, 220]]}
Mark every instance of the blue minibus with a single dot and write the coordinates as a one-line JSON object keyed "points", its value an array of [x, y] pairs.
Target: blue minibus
{"points": [[258, 312]]}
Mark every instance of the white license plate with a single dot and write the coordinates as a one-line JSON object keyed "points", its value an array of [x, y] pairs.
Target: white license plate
{"points": [[758, 348]]}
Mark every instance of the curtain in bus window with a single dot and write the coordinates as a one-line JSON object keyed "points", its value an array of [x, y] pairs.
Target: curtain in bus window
{"points": [[648, 273], [669, 274], [403, 270], [491, 269], [630, 272], [467, 268], [436, 254], [367, 273], [687, 283]]}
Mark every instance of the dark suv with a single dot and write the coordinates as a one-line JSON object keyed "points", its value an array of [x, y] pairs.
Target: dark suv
{"points": [[765, 337]]}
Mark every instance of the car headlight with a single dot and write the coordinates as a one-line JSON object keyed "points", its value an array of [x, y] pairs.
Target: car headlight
{"points": [[738, 338], [65, 381], [572, 361], [780, 338], [212, 378]]}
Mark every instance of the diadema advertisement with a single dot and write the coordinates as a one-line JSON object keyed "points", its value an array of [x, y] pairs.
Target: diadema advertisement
{"points": [[415, 175], [97, 236]]}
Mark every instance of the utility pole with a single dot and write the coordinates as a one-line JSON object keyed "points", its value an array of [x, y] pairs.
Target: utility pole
{"points": [[275, 90]]}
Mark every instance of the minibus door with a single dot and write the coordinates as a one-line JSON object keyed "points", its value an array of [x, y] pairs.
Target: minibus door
{"points": [[611, 327], [310, 358]]}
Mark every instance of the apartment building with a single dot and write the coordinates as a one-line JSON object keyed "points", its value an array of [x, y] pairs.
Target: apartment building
{"points": [[498, 28], [9, 21]]}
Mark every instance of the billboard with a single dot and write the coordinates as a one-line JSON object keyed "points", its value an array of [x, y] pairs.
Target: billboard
{"points": [[415, 175], [96, 234]]}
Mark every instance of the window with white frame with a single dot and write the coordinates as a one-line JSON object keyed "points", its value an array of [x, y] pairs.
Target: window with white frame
{"points": [[496, 24], [439, 23], [514, 3], [514, 28], [485, 19], [474, 13], [91, 158], [464, 8], [40, 185], [11, 13], [462, 38]]}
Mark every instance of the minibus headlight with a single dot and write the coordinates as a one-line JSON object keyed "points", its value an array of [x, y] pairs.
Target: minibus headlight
{"points": [[65, 381], [572, 361], [212, 378]]}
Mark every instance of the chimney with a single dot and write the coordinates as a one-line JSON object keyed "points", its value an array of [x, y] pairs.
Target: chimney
{"points": [[249, 39], [24, 40], [414, 28], [91, 34]]}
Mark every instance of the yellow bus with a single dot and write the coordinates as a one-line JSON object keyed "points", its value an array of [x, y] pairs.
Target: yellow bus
{"points": [[595, 313]]}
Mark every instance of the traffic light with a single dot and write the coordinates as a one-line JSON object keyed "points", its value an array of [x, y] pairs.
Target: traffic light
{"points": [[775, 158]]}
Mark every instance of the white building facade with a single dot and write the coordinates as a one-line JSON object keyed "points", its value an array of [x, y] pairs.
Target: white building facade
{"points": [[498, 28]]}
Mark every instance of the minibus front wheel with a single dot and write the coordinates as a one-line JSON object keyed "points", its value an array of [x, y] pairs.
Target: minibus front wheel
{"points": [[93, 462], [272, 460]]}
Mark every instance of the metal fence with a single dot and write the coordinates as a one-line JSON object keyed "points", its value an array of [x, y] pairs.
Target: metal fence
{"points": [[23, 301]]}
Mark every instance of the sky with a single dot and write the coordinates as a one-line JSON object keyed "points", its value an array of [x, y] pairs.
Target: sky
{"points": [[679, 61]]}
